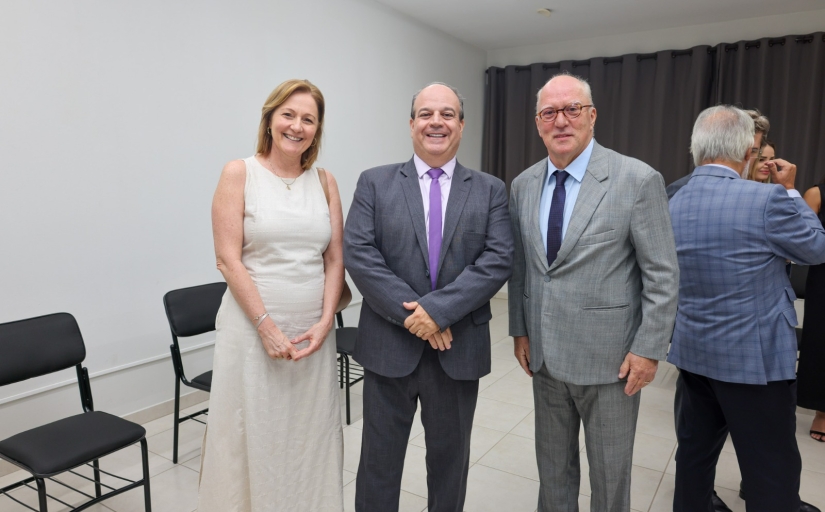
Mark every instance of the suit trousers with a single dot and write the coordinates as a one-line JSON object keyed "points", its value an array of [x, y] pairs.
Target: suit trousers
{"points": [[761, 420], [609, 418], [447, 410]]}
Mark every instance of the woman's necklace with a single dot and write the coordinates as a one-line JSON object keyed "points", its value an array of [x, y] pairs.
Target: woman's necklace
{"points": [[272, 168]]}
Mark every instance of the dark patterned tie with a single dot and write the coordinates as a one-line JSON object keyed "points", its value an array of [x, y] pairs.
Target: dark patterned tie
{"points": [[434, 238], [556, 220]]}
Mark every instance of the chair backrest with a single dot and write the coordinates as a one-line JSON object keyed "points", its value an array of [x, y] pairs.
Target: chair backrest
{"points": [[39, 346], [192, 311], [799, 275]]}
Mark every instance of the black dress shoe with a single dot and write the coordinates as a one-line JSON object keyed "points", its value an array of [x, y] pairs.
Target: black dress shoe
{"points": [[807, 507], [803, 507], [718, 504]]}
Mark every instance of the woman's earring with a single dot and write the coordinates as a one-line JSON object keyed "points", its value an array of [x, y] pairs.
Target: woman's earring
{"points": [[269, 131]]}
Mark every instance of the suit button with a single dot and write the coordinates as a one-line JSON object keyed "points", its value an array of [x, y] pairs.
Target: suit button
{"points": [[428, 273], [546, 279]]}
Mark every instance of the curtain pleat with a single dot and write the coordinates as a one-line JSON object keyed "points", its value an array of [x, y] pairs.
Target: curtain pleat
{"points": [[783, 77], [647, 103]]}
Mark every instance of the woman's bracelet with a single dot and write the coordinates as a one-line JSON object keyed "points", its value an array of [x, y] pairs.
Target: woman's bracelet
{"points": [[260, 319]]}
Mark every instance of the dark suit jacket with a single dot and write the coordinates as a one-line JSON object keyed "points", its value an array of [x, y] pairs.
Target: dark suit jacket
{"points": [[677, 185], [385, 252]]}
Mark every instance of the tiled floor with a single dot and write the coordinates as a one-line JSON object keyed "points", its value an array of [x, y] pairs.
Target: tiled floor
{"points": [[503, 475]]}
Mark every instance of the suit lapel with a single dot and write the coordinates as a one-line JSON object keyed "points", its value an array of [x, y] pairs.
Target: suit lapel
{"points": [[532, 207], [459, 190], [415, 204], [590, 195]]}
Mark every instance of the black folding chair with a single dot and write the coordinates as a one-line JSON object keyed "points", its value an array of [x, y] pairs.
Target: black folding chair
{"points": [[43, 345], [348, 375], [799, 275], [191, 311]]}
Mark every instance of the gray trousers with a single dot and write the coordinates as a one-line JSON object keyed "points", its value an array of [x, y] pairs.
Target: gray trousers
{"points": [[447, 409], [609, 418]]}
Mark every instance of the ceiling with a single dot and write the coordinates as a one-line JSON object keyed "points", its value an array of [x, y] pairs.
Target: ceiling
{"points": [[494, 24]]}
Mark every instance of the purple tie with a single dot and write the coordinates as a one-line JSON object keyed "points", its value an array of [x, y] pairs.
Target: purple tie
{"points": [[555, 222], [434, 239]]}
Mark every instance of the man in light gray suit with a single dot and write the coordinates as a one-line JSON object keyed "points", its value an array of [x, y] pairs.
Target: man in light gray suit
{"points": [[592, 297], [428, 243]]}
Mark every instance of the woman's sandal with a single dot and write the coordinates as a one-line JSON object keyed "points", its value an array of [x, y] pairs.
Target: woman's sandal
{"points": [[820, 434]]}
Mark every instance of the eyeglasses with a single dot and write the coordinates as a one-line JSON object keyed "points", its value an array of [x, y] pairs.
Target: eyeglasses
{"points": [[571, 111]]}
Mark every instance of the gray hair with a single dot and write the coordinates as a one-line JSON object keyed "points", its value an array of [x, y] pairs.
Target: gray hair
{"points": [[585, 88], [448, 86], [721, 133]]}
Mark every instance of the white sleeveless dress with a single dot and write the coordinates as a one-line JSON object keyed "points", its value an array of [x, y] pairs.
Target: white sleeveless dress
{"points": [[274, 440]]}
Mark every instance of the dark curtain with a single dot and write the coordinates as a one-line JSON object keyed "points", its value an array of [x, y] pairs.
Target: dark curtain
{"points": [[510, 140], [647, 103], [783, 77]]}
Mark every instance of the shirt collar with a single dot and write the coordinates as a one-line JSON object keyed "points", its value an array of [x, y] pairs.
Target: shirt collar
{"points": [[724, 167], [421, 168], [577, 167]]}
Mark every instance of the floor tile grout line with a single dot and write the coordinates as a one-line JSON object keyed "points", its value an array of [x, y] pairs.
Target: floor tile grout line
{"points": [[491, 448], [507, 472], [661, 479], [654, 435], [508, 403]]}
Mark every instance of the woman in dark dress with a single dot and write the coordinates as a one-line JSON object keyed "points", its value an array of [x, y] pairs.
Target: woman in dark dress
{"points": [[810, 378]]}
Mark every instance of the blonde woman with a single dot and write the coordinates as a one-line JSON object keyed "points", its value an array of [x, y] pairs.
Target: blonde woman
{"points": [[761, 171], [273, 440]]}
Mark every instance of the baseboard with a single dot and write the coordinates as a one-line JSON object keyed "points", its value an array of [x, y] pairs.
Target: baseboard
{"points": [[140, 417], [162, 409]]}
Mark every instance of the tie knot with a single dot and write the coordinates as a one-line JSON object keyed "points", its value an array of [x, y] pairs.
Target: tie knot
{"points": [[561, 177], [435, 173]]}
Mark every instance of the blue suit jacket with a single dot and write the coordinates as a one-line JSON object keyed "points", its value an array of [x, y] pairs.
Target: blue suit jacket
{"points": [[736, 317], [385, 252]]}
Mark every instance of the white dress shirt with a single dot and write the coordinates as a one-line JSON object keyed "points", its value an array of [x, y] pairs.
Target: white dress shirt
{"points": [[576, 169]]}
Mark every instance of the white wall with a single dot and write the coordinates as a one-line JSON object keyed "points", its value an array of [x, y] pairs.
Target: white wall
{"points": [[662, 39], [115, 121]]}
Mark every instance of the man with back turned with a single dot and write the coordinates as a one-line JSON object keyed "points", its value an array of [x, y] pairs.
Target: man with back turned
{"points": [[734, 340]]}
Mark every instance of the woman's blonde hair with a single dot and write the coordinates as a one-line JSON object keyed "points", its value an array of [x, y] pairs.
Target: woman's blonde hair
{"points": [[277, 98]]}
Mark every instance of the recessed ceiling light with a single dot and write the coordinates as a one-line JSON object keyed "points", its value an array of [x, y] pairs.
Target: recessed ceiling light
{"points": [[545, 11]]}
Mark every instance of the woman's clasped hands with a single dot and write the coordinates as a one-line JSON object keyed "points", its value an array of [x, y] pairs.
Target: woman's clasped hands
{"points": [[278, 346]]}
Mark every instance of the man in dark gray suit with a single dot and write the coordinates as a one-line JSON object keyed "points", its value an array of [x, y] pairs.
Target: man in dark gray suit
{"points": [[428, 243]]}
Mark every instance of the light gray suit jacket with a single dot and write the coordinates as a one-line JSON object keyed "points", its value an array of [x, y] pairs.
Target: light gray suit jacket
{"points": [[613, 287]]}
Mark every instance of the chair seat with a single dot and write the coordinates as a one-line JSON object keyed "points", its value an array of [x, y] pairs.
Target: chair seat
{"points": [[67, 443], [345, 339], [203, 381]]}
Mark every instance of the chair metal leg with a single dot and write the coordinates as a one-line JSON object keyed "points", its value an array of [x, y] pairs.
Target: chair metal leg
{"points": [[144, 451], [41, 493], [96, 465], [347, 393], [341, 370], [177, 422]]}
